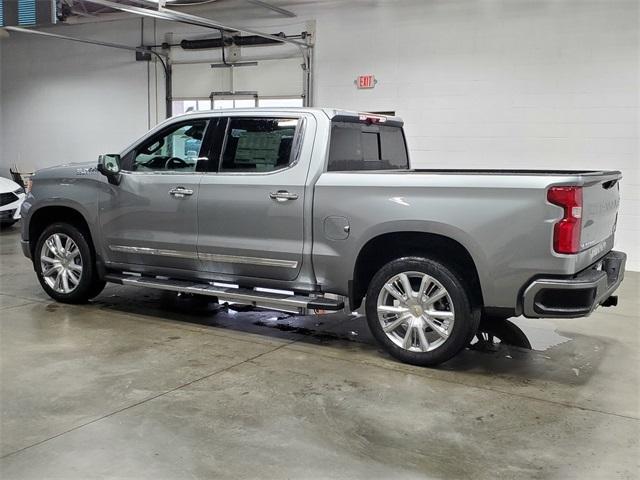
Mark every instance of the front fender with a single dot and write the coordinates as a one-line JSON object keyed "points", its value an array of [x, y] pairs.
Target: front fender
{"points": [[78, 194]]}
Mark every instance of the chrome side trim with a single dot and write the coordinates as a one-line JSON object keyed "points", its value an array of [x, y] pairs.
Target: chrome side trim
{"points": [[162, 172], [266, 262], [153, 251], [207, 257]]}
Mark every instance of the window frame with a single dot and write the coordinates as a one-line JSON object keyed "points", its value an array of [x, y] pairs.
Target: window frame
{"points": [[296, 145], [131, 153]]}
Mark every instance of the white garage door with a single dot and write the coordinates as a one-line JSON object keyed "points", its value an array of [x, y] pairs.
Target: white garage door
{"points": [[282, 78]]}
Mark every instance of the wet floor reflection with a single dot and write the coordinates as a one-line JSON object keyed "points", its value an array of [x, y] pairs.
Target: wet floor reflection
{"points": [[519, 333], [519, 351]]}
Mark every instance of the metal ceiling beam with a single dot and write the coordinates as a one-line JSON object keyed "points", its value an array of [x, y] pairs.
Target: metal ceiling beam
{"points": [[281, 11], [186, 3], [163, 13], [82, 14], [85, 40]]}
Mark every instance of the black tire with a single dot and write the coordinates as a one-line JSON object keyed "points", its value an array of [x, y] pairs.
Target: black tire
{"points": [[96, 287], [466, 316], [89, 284]]}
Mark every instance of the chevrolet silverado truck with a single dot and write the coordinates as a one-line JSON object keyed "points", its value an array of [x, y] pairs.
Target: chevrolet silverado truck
{"points": [[278, 208]]}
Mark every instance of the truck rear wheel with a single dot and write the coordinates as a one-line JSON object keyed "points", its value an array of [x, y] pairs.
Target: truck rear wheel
{"points": [[419, 310], [65, 264]]}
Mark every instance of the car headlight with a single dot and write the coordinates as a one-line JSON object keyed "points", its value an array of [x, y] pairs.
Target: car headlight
{"points": [[19, 191]]}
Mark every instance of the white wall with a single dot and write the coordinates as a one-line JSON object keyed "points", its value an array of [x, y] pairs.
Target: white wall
{"points": [[2, 162], [68, 102], [498, 84], [480, 83]]}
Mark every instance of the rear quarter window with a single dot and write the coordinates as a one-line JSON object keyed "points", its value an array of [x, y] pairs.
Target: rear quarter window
{"points": [[357, 146]]}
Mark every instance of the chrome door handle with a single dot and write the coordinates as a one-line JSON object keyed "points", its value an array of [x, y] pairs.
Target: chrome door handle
{"points": [[282, 196], [180, 192]]}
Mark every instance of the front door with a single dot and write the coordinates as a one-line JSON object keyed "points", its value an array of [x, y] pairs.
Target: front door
{"points": [[251, 210], [150, 218]]}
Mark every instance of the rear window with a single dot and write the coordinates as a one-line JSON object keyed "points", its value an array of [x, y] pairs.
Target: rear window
{"points": [[357, 146]]}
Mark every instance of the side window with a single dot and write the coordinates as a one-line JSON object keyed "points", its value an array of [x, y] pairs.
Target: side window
{"points": [[176, 149], [355, 146], [258, 144]]}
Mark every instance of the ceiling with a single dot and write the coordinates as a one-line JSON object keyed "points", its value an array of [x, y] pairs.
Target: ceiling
{"points": [[75, 9], [83, 8]]}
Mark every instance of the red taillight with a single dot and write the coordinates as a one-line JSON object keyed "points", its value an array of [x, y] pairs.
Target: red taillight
{"points": [[566, 232]]}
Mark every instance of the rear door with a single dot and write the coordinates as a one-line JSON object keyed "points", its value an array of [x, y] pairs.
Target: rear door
{"points": [[150, 218], [250, 209]]}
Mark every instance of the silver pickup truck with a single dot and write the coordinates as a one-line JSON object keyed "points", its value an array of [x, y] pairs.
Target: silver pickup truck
{"points": [[277, 208]]}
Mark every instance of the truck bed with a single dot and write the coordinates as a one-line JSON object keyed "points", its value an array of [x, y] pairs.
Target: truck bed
{"points": [[501, 217]]}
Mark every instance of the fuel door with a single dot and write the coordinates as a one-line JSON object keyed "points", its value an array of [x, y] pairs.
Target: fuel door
{"points": [[336, 227]]}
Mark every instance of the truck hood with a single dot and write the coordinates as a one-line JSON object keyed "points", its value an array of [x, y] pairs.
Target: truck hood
{"points": [[67, 170]]}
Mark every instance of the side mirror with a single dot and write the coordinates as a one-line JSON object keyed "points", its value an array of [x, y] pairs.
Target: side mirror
{"points": [[109, 166]]}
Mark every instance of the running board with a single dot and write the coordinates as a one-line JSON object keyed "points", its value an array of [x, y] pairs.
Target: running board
{"points": [[245, 296]]}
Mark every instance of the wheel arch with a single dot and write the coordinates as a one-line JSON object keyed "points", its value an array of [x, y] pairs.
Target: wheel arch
{"points": [[50, 214], [388, 246]]}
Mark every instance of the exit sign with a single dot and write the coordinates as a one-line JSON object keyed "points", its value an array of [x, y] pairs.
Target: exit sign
{"points": [[366, 81]]}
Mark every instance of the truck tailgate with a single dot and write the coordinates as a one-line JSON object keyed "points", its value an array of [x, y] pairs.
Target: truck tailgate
{"points": [[601, 197]]}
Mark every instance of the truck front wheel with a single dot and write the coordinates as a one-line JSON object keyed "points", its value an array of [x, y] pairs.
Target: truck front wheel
{"points": [[65, 265], [420, 311]]}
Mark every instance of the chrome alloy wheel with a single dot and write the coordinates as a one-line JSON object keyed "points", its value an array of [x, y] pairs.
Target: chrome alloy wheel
{"points": [[415, 311], [61, 263]]}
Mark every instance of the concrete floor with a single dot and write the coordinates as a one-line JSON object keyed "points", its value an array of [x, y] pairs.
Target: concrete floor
{"points": [[144, 384]]}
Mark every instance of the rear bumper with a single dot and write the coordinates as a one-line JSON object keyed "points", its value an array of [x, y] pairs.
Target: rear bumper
{"points": [[577, 295]]}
